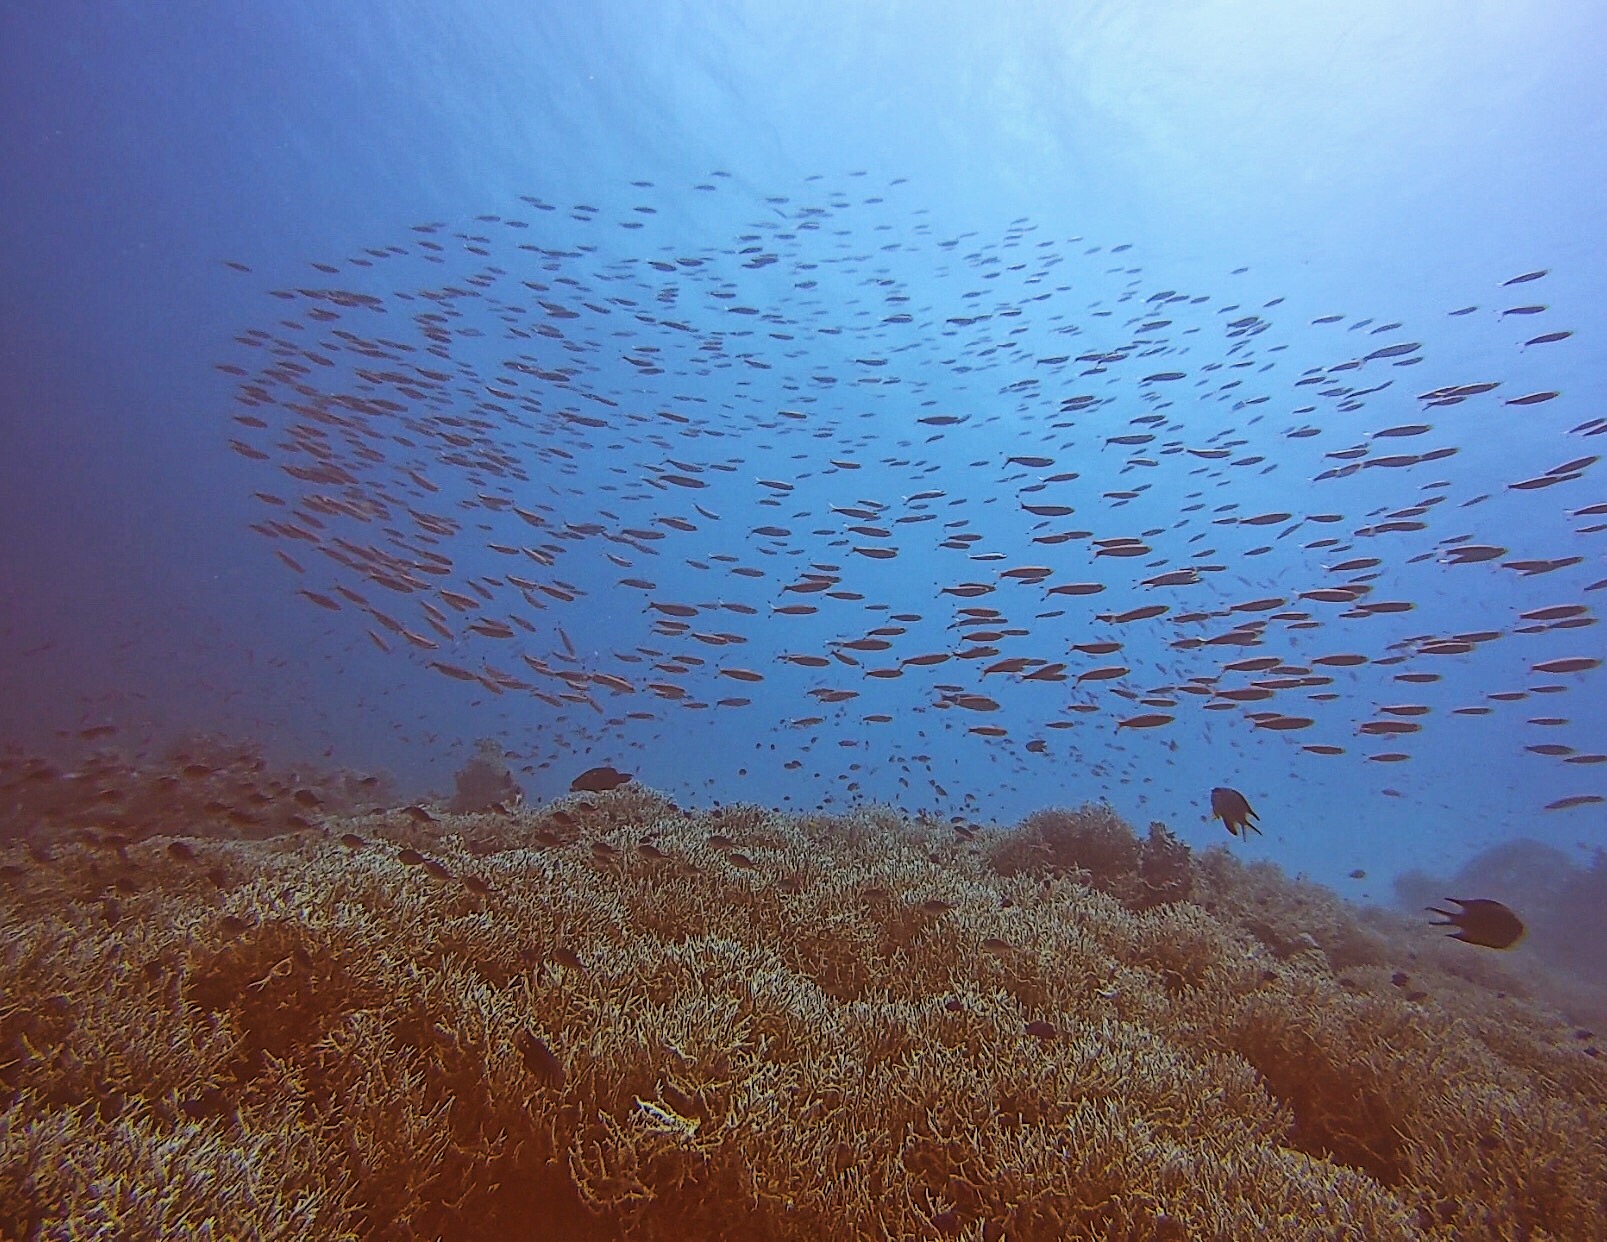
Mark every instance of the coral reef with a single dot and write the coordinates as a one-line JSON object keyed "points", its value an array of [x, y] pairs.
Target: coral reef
{"points": [[611, 1017], [1094, 845]]}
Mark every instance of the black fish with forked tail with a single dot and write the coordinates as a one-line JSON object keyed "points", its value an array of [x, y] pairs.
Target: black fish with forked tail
{"points": [[1480, 921], [1232, 808]]}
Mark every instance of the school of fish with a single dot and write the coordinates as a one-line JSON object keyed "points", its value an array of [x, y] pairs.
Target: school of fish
{"points": [[1015, 497]]}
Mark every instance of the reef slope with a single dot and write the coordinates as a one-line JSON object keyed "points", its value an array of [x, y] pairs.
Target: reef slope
{"points": [[611, 1017]]}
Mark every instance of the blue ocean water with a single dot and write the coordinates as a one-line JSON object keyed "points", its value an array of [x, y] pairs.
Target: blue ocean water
{"points": [[1008, 218]]}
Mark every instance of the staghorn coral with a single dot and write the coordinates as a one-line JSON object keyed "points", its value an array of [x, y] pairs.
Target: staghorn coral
{"points": [[612, 1017], [1290, 917], [1095, 844], [1164, 867]]}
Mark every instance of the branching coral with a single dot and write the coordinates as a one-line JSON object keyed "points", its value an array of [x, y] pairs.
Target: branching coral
{"points": [[759, 1027]]}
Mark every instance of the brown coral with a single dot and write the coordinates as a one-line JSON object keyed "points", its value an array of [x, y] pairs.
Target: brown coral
{"points": [[763, 1027]]}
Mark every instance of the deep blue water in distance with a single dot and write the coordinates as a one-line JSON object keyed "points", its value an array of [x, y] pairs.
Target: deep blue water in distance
{"points": [[979, 165]]}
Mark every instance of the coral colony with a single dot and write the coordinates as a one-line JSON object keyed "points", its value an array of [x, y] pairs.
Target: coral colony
{"points": [[294, 1011]]}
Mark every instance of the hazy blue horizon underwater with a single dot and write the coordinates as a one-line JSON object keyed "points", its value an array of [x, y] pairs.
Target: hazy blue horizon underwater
{"points": [[806, 229]]}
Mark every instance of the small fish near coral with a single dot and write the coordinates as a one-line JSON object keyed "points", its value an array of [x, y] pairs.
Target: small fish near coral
{"points": [[1481, 921], [1231, 807], [541, 1060], [598, 780]]}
